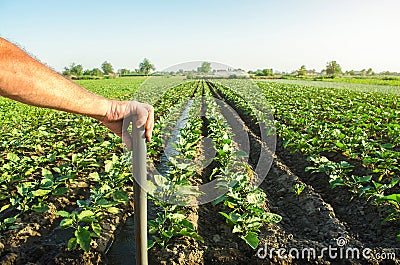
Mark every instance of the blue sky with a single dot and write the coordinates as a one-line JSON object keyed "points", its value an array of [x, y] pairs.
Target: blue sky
{"points": [[282, 35]]}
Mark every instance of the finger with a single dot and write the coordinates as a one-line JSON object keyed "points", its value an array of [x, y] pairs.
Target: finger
{"points": [[142, 114], [149, 123]]}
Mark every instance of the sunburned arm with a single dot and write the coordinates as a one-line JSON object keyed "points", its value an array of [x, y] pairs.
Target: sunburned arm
{"points": [[24, 79]]}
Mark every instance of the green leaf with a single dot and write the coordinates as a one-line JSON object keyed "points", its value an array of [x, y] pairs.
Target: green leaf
{"points": [[66, 222], [108, 166], [10, 220], [339, 144], [388, 145], [176, 216], [150, 244], [219, 199], [237, 229], [47, 173], [365, 179], [83, 238], [40, 192], [74, 158], [94, 176], [96, 228], [252, 198], [309, 169], [12, 157], [113, 210], [120, 196], [105, 144], [57, 170], [46, 183], [364, 190], [240, 154], [5, 207], [235, 216], [187, 224], [104, 202], [191, 234], [62, 213], [251, 239], [81, 203], [226, 215], [392, 197], [336, 182], [72, 242], [86, 213], [40, 208], [272, 218], [160, 180], [60, 191], [167, 234]]}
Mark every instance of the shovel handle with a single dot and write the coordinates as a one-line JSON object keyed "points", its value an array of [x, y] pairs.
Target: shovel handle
{"points": [[140, 198]]}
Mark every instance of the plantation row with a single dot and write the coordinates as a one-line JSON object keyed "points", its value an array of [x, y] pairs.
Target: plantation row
{"points": [[362, 127], [245, 211]]}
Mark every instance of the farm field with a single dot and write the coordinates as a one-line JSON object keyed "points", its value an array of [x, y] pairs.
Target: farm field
{"points": [[334, 175]]}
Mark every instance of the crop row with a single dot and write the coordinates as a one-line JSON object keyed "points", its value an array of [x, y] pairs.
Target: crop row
{"points": [[245, 209], [360, 126], [244, 204]]}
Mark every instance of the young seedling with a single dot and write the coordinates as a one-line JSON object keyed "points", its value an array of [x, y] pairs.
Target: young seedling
{"points": [[298, 188]]}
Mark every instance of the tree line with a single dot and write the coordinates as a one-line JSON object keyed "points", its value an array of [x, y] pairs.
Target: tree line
{"points": [[107, 70], [332, 70]]}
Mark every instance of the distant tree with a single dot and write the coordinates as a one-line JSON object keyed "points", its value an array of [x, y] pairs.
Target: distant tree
{"points": [[333, 69], [77, 70], [93, 72], [190, 75], [264, 72], [267, 72], [363, 72], [145, 66], [96, 72], [351, 72], [124, 71], [259, 73], [107, 68], [370, 71], [73, 70], [66, 72], [204, 68], [302, 71]]}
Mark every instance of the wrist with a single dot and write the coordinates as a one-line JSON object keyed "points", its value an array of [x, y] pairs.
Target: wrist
{"points": [[101, 108]]}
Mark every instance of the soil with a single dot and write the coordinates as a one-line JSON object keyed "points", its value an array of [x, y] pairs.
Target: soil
{"points": [[315, 219]]}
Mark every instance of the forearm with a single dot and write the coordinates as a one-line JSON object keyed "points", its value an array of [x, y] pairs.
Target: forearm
{"points": [[24, 79]]}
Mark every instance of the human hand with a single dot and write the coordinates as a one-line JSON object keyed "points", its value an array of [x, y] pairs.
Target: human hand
{"points": [[120, 110]]}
